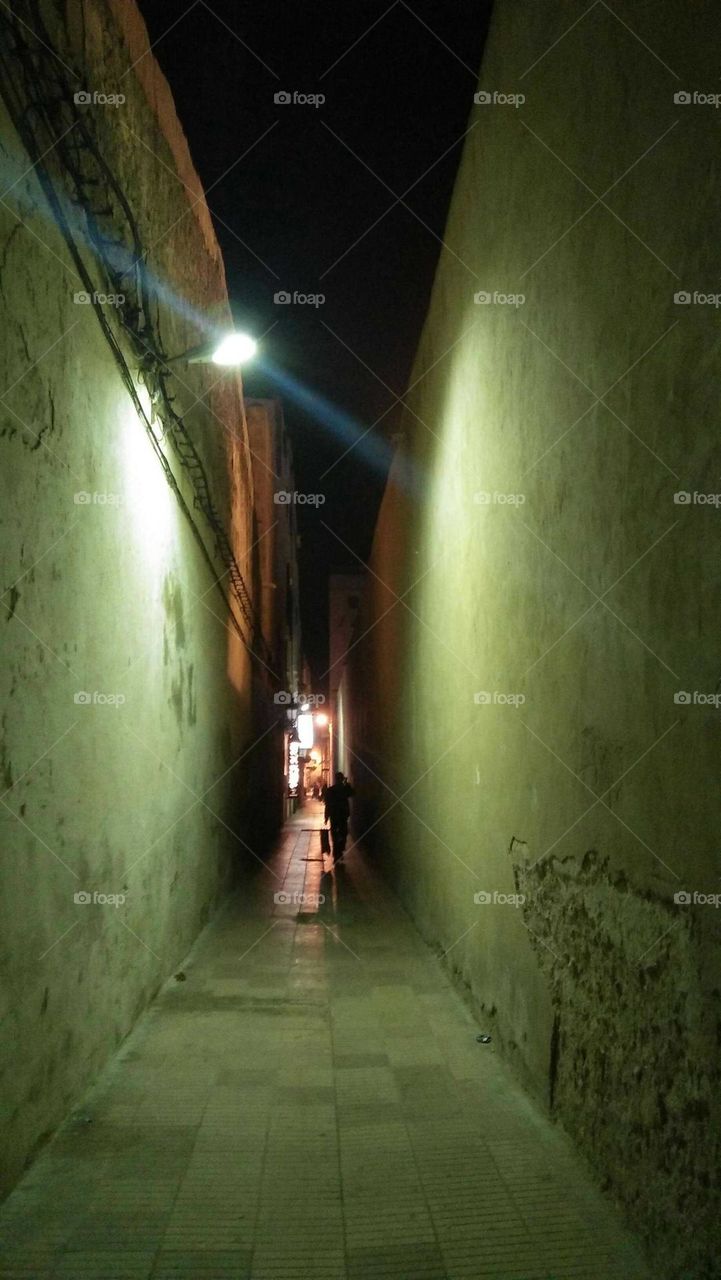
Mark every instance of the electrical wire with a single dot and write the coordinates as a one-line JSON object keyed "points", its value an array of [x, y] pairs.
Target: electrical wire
{"points": [[47, 104]]}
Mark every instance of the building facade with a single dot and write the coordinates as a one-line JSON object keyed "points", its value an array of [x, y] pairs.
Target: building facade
{"points": [[345, 626], [138, 681], [543, 600], [276, 550]]}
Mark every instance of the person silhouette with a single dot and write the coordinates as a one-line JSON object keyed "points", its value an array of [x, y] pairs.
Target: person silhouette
{"points": [[337, 813]]}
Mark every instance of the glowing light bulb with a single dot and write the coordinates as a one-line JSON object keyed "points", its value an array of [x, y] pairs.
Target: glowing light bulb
{"points": [[235, 348]]}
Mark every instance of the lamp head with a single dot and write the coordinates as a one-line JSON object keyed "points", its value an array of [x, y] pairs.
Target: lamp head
{"points": [[234, 349], [230, 350]]}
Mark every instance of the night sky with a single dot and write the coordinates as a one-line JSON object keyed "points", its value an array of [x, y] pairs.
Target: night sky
{"points": [[287, 214]]}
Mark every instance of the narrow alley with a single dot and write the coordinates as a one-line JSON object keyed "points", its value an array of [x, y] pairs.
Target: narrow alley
{"points": [[360, 693], [308, 1097]]}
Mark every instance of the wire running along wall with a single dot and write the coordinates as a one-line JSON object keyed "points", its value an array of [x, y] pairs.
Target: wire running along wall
{"points": [[53, 131]]}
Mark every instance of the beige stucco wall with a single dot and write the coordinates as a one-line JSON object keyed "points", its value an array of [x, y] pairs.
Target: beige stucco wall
{"points": [[110, 595], [590, 593]]}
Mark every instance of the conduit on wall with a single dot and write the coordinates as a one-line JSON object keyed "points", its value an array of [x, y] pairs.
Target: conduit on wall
{"points": [[47, 107]]}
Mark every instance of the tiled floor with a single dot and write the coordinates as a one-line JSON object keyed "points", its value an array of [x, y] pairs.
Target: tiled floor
{"points": [[311, 1102]]}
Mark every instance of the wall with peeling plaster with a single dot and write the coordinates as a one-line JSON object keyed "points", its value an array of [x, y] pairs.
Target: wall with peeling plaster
{"points": [[530, 544], [108, 594]]}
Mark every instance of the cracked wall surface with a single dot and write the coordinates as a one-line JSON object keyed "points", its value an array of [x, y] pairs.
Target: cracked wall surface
{"points": [[636, 990], [126, 698], [539, 767]]}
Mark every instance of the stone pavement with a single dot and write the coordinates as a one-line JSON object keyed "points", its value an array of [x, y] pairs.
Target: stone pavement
{"points": [[310, 1102]]}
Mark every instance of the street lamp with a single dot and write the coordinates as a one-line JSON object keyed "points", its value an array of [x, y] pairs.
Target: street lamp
{"points": [[235, 348], [231, 349]]}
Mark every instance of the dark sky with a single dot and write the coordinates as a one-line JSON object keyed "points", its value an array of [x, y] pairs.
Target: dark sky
{"points": [[398, 95]]}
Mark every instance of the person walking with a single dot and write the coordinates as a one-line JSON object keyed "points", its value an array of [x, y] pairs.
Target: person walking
{"points": [[337, 813]]}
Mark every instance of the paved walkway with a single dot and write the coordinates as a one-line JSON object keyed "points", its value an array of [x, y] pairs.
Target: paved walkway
{"points": [[310, 1103]]}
